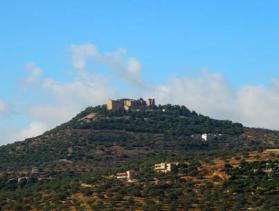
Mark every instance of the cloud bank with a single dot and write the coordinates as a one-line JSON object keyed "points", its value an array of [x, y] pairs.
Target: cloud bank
{"points": [[208, 93], [34, 73], [126, 67], [211, 94], [3, 106]]}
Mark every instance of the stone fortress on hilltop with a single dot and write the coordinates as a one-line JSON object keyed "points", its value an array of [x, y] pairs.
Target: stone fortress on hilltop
{"points": [[128, 104]]}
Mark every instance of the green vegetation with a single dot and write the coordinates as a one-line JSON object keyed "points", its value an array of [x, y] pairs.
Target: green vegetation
{"points": [[187, 186], [167, 119], [49, 172], [258, 177]]}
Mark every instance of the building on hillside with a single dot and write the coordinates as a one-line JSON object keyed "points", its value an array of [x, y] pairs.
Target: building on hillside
{"points": [[133, 104], [115, 104], [127, 175], [204, 136], [35, 171], [150, 102], [141, 102], [163, 167], [128, 104]]}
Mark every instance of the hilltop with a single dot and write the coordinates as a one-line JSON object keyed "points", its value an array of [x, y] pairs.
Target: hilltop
{"points": [[82, 155], [103, 136]]}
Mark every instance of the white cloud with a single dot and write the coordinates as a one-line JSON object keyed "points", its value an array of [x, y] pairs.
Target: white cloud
{"points": [[32, 130], [128, 68], [133, 67], [67, 99], [34, 73], [210, 94], [258, 106], [200, 93], [3, 106], [85, 88], [71, 98], [81, 53], [12, 134]]}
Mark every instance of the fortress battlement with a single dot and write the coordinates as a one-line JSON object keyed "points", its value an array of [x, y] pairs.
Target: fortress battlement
{"points": [[128, 104]]}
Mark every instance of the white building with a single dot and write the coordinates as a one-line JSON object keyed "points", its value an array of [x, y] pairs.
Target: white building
{"points": [[162, 167], [125, 175], [204, 136]]}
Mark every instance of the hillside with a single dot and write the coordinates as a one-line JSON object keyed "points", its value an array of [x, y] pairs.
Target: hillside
{"points": [[79, 158], [101, 137]]}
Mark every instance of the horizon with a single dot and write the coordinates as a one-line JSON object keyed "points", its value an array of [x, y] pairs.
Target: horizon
{"points": [[57, 58]]}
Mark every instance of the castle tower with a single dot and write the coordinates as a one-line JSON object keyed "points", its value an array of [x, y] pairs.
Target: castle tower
{"points": [[151, 102], [109, 105], [113, 105]]}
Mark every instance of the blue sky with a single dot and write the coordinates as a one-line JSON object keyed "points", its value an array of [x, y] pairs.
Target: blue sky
{"points": [[231, 45]]}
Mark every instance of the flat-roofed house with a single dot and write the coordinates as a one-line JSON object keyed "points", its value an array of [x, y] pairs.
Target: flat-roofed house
{"points": [[204, 137], [127, 175], [162, 167]]}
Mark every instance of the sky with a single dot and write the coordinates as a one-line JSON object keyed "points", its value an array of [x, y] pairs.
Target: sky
{"points": [[219, 58]]}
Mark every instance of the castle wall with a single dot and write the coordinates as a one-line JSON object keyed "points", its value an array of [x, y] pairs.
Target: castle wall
{"points": [[127, 104], [115, 104], [151, 102]]}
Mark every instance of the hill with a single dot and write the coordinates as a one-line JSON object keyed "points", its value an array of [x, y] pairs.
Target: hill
{"points": [[72, 166]]}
